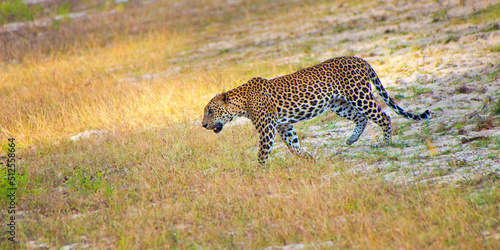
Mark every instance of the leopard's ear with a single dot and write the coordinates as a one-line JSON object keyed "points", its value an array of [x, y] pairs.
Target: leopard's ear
{"points": [[223, 98]]}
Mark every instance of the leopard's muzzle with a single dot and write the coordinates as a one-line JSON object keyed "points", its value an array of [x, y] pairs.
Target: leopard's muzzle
{"points": [[218, 127]]}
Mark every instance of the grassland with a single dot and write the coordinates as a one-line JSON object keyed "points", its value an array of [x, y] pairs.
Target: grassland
{"points": [[141, 73]]}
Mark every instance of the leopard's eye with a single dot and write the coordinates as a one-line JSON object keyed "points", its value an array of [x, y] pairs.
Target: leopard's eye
{"points": [[210, 111]]}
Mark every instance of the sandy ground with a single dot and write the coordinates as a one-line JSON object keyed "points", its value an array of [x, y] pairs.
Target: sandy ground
{"points": [[447, 67]]}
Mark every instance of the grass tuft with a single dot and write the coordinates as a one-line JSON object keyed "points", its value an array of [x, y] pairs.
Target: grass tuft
{"points": [[489, 14], [495, 108], [16, 11]]}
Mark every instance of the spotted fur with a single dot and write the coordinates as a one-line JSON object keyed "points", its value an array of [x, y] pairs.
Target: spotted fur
{"points": [[341, 85]]}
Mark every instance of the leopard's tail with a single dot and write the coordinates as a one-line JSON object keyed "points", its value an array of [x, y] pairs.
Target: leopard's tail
{"points": [[390, 102]]}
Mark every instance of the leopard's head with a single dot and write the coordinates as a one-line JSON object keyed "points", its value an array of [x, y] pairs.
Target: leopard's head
{"points": [[217, 113]]}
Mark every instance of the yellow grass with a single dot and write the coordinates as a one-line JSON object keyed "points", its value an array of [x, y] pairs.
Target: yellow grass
{"points": [[177, 187], [130, 84], [89, 89]]}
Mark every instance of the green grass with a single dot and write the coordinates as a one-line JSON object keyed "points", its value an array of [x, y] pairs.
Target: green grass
{"points": [[419, 91], [491, 27], [64, 9], [495, 107], [491, 13], [440, 16], [495, 48], [16, 11], [450, 39]]}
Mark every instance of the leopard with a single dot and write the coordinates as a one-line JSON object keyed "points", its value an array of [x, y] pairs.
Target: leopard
{"points": [[341, 85]]}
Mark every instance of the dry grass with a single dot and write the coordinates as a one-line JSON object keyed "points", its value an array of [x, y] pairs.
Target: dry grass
{"points": [[68, 94], [111, 88], [177, 187], [157, 180], [131, 79]]}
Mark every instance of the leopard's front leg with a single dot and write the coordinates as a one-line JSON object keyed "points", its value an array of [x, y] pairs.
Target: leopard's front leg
{"points": [[291, 140], [266, 140]]}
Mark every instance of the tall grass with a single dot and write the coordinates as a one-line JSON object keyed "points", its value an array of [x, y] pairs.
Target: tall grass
{"points": [[117, 87], [179, 187], [16, 11], [146, 77]]}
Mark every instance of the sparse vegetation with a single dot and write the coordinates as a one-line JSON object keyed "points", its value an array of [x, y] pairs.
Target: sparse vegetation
{"points": [[227, 202], [491, 27], [16, 11], [450, 39], [490, 13], [463, 89], [495, 48], [143, 70], [420, 91], [495, 109]]}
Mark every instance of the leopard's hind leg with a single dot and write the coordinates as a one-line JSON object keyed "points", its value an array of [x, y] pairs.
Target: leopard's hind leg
{"points": [[344, 109], [369, 108]]}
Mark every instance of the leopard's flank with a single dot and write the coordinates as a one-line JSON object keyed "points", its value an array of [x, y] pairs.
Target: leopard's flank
{"points": [[341, 85]]}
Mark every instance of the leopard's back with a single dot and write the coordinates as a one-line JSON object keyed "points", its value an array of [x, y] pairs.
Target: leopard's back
{"points": [[313, 90]]}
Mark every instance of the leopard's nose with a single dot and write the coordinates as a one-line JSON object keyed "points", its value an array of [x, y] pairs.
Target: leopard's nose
{"points": [[204, 125]]}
